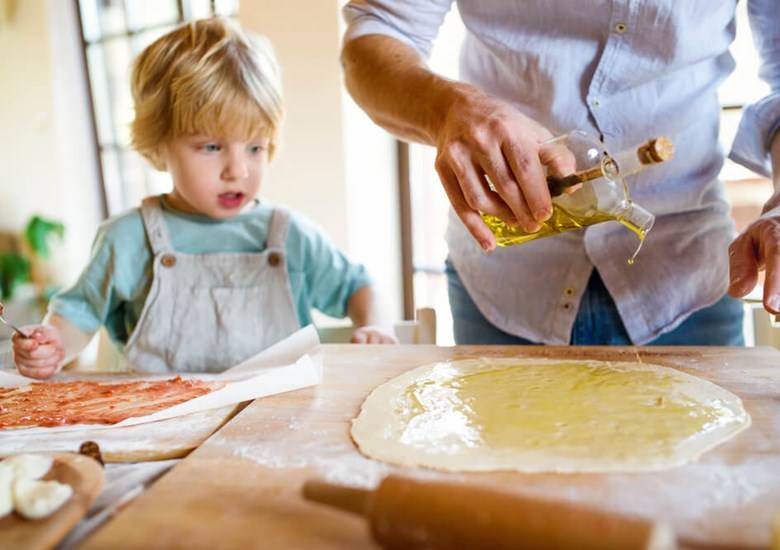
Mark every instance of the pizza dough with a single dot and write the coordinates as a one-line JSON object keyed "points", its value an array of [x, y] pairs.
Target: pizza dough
{"points": [[544, 415], [36, 499], [6, 495], [28, 466], [25, 466], [22, 490]]}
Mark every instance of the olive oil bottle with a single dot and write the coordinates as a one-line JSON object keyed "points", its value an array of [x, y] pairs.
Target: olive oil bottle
{"points": [[593, 192]]}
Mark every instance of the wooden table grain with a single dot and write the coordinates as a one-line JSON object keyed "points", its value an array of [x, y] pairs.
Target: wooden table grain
{"points": [[241, 488]]}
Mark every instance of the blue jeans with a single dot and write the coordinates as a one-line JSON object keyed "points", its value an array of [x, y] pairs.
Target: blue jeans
{"points": [[598, 321]]}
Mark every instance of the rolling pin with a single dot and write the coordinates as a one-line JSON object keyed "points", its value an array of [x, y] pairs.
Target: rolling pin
{"points": [[411, 514]]}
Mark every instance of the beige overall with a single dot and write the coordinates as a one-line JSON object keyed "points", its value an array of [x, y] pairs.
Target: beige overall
{"points": [[208, 312]]}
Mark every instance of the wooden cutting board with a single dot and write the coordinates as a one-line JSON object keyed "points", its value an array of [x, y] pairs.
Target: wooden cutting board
{"points": [[172, 438], [85, 476], [241, 488]]}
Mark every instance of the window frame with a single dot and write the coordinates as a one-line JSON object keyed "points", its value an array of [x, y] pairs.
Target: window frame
{"points": [[102, 147]]}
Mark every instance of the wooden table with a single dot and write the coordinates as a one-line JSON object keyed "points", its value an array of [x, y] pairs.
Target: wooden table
{"points": [[240, 489]]}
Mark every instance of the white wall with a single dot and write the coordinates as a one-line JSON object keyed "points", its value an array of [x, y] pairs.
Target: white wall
{"points": [[373, 204], [26, 137], [46, 149], [308, 172], [335, 166]]}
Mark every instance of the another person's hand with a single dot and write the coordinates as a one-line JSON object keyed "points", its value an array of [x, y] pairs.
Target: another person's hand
{"points": [[757, 248], [484, 136], [372, 335], [42, 354]]}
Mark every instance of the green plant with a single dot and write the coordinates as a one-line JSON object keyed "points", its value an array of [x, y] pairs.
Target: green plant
{"points": [[14, 271], [38, 233], [16, 268]]}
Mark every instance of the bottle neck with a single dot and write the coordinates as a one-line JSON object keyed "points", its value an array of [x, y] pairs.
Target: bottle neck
{"points": [[636, 159], [636, 218]]}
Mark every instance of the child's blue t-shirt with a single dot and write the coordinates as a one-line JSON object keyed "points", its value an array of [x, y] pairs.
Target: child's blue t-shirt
{"points": [[112, 289]]}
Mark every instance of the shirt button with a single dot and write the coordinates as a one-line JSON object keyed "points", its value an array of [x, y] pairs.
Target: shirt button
{"points": [[567, 306], [273, 259], [620, 27], [568, 292], [168, 260], [595, 102]]}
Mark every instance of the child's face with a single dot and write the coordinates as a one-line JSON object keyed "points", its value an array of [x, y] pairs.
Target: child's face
{"points": [[215, 177]]}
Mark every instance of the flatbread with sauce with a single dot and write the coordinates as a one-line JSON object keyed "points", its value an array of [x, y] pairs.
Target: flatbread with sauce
{"points": [[50, 404]]}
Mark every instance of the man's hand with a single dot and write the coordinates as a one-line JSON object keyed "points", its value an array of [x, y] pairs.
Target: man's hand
{"points": [[476, 136], [757, 248], [484, 136], [372, 335], [42, 354]]}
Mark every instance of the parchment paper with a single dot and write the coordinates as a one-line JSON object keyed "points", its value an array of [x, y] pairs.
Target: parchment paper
{"points": [[286, 366]]}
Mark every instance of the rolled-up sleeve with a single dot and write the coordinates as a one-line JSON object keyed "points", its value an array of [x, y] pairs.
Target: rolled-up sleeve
{"points": [[413, 22], [87, 303], [321, 276], [761, 120]]}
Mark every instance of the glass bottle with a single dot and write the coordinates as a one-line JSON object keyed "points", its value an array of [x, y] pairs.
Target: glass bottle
{"points": [[587, 185]]}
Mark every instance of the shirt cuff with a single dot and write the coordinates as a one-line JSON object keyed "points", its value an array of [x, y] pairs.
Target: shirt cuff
{"points": [[360, 281], [80, 317], [760, 122]]}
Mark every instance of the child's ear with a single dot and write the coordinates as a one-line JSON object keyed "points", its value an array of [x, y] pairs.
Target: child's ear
{"points": [[158, 158]]}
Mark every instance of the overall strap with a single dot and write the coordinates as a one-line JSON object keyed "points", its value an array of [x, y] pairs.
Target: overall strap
{"points": [[156, 230], [277, 232]]}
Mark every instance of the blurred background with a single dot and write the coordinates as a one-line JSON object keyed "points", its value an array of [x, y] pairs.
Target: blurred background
{"points": [[66, 106]]}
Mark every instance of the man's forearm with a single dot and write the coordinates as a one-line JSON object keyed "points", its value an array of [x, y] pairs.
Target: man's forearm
{"points": [[390, 81], [476, 136]]}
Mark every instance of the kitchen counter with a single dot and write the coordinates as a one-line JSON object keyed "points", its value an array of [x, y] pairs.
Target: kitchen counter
{"points": [[241, 488]]}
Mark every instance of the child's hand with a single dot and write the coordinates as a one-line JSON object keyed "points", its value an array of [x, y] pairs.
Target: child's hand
{"points": [[41, 355], [372, 335]]}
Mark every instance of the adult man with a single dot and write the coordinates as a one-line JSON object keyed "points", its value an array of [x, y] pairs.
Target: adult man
{"points": [[625, 70]]}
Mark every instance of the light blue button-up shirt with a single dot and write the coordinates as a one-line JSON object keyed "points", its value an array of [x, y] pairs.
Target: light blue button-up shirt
{"points": [[627, 70]]}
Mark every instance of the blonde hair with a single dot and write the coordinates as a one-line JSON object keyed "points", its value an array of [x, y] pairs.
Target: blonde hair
{"points": [[205, 77]]}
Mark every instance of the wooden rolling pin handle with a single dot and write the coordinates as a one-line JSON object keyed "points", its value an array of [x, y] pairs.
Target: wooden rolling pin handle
{"points": [[349, 499], [92, 450], [412, 514], [408, 513]]}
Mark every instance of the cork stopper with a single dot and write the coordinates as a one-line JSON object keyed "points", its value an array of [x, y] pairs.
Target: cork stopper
{"points": [[656, 150]]}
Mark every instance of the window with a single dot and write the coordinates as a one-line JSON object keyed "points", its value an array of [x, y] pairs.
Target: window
{"points": [[747, 192], [113, 33], [430, 206]]}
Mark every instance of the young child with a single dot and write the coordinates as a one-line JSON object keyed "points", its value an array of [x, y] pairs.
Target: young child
{"points": [[206, 276]]}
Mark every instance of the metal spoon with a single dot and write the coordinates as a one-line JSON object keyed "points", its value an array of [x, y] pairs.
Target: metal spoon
{"points": [[15, 329]]}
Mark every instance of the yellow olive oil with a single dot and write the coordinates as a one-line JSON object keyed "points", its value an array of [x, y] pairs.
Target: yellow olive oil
{"points": [[561, 221], [593, 194]]}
